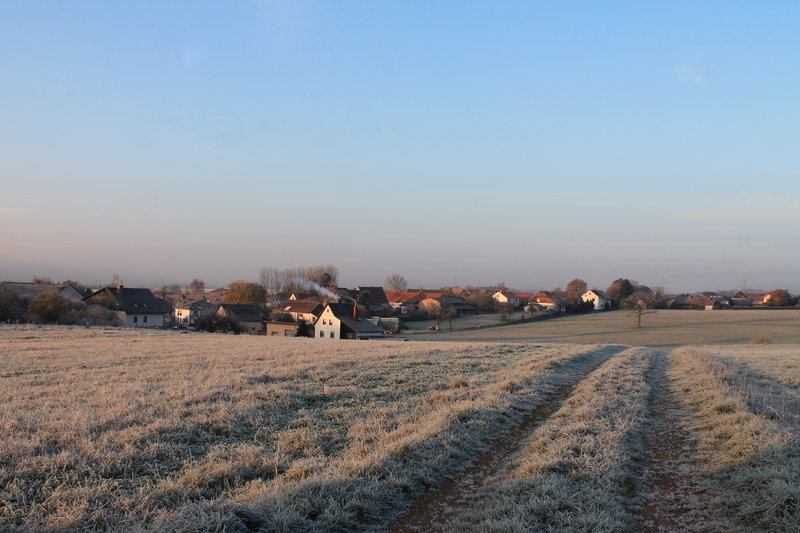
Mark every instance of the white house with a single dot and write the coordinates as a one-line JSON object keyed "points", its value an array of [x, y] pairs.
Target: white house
{"points": [[189, 313], [601, 300], [139, 308], [341, 321], [506, 297]]}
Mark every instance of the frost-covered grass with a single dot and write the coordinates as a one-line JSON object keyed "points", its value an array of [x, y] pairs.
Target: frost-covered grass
{"points": [[484, 319], [750, 461], [666, 328], [129, 430], [578, 470], [767, 377]]}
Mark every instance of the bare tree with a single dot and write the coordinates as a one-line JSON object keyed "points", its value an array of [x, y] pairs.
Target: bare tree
{"points": [[505, 311], [395, 282], [271, 279], [639, 303], [197, 285], [326, 276]]}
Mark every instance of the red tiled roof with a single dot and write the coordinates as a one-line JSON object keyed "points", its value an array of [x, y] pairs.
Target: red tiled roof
{"points": [[404, 297]]}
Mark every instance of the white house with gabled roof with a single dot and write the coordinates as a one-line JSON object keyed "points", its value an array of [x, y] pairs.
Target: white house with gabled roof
{"points": [[601, 301], [341, 321]]}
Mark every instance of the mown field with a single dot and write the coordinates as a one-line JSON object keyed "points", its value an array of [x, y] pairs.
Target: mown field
{"points": [[121, 430], [664, 329]]}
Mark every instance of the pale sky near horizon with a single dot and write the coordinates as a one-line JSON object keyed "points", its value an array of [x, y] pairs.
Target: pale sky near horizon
{"points": [[466, 142]]}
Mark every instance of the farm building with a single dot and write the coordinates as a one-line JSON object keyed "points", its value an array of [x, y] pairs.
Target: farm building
{"points": [[457, 306], [750, 299], [549, 300], [405, 302]]}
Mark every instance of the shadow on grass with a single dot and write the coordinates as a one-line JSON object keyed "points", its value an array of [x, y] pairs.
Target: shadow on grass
{"points": [[363, 496]]}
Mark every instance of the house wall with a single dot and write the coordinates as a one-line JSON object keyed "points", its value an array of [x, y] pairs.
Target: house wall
{"points": [[253, 328], [500, 297], [503, 299], [327, 326], [309, 318], [281, 330], [599, 303], [134, 320], [182, 316]]}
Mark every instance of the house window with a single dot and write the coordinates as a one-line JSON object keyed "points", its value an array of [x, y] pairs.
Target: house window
{"points": [[321, 334], [274, 334], [135, 319], [144, 319], [288, 333], [331, 334]]}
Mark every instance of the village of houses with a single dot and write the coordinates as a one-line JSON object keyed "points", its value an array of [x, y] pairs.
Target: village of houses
{"points": [[365, 312]]}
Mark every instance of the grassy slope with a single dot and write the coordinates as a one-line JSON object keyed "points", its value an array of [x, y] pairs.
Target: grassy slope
{"points": [[128, 429], [666, 328]]}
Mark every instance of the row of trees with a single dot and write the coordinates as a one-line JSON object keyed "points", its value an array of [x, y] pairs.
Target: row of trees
{"points": [[287, 280]]}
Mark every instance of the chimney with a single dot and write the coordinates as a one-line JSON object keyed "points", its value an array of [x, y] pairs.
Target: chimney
{"points": [[120, 286], [355, 310]]}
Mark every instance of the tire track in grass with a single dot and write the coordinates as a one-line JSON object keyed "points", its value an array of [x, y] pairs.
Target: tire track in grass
{"points": [[436, 508], [672, 498]]}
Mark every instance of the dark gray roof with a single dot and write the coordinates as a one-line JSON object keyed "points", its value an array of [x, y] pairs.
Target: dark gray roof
{"points": [[296, 306], [344, 312], [375, 295], [137, 301], [242, 312], [199, 305]]}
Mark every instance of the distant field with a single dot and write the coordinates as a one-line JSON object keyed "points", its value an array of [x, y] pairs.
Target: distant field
{"points": [[664, 329], [460, 323], [125, 430]]}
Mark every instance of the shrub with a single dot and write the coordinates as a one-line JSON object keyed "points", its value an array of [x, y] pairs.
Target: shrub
{"points": [[48, 307], [303, 330], [10, 305], [218, 324]]}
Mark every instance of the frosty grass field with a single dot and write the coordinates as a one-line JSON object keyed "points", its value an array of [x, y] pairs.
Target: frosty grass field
{"points": [[122, 430]]}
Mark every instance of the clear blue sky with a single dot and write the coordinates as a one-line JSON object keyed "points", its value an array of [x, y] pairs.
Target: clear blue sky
{"points": [[529, 142]]}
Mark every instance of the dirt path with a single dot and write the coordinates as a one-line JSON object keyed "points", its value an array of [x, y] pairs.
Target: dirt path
{"points": [[672, 499], [437, 507]]}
